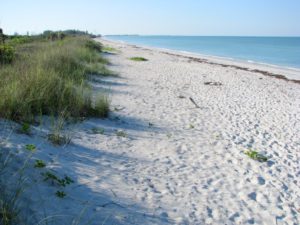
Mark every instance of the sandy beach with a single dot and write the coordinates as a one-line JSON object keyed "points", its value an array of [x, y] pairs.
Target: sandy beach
{"points": [[173, 148]]}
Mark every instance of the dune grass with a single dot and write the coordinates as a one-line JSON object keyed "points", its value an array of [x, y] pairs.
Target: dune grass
{"points": [[49, 77], [138, 59]]}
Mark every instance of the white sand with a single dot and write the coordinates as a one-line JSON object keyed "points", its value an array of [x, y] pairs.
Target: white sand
{"points": [[178, 164]]}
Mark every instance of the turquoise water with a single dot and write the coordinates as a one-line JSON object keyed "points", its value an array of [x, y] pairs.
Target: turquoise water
{"points": [[281, 51]]}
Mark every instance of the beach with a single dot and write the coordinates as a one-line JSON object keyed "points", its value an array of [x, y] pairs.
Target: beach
{"points": [[173, 148]]}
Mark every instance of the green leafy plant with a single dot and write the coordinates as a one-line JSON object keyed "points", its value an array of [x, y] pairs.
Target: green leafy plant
{"points": [[60, 194], [30, 147], [39, 164], [121, 133], [25, 128], [256, 156], [56, 180], [98, 130], [50, 176], [138, 59]]}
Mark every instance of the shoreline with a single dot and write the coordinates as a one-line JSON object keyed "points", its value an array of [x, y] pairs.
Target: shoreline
{"points": [[280, 72]]}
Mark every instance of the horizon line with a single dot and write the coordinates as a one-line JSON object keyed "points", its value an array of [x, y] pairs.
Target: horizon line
{"points": [[184, 35]]}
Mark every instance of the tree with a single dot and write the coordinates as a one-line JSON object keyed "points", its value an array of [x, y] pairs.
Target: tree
{"points": [[1, 36]]}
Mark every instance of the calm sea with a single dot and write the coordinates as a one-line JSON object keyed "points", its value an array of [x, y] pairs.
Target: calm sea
{"points": [[281, 51]]}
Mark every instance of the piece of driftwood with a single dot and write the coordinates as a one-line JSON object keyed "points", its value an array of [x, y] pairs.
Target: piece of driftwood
{"points": [[212, 83], [192, 100]]}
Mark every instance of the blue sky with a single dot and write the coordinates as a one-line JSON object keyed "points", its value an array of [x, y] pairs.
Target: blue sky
{"points": [[166, 17]]}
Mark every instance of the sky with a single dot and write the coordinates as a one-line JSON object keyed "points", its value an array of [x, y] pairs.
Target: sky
{"points": [[154, 17]]}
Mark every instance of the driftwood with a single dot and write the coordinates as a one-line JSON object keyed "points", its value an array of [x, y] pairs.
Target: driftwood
{"points": [[192, 100], [211, 83]]}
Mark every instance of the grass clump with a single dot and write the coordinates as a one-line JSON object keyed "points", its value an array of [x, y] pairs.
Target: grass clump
{"points": [[49, 77], [101, 106], [256, 156], [58, 139], [8, 213], [138, 59], [7, 53]]}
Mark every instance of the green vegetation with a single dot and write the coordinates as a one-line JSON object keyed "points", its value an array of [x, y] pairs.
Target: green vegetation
{"points": [[49, 77], [138, 59], [8, 213], [56, 180], [256, 156], [9, 195], [58, 139], [109, 49], [39, 163], [47, 74], [98, 130], [25, 128], [60, 194], [61, 182], [6, 54], [121, 133], [30, 147]]}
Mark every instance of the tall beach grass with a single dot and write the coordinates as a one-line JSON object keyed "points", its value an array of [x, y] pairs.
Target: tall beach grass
{"points": [[45, 76], [50, 77]]}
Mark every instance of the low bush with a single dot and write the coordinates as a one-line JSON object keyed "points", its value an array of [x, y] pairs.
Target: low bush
{"points": [[6, 53]]}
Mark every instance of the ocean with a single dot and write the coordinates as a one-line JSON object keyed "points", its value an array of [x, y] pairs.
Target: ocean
{"points": [[278, 51]]}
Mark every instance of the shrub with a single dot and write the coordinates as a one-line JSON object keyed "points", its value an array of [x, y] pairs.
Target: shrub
{"points": [[6, 53]]}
